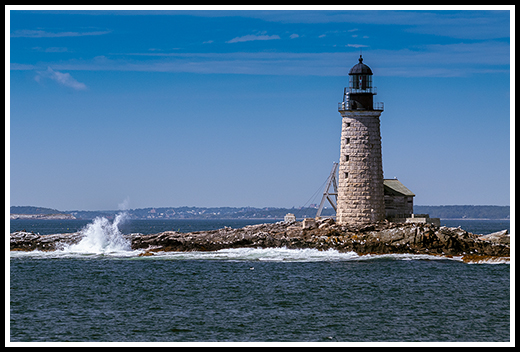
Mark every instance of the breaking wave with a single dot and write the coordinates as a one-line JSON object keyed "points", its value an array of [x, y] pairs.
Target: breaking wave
{"points": [[306, 255], [90, 248], [100, 238]]}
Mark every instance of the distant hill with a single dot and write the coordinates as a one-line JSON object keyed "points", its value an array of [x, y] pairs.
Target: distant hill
{"points": [[206, 213], [437, 211], [33, 213], [34, 210]]}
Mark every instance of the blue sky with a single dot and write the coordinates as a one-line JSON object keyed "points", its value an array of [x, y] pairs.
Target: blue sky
{"points": [[239, 108]]}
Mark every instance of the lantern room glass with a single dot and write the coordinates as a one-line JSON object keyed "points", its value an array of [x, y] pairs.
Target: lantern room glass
{"points": [[360, 82]]}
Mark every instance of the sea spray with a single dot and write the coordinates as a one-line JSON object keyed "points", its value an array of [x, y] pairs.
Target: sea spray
{"points": [[102, 237]]}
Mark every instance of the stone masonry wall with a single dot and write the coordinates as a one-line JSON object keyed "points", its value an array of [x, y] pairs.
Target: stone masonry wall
{"points": [[360, 182]]}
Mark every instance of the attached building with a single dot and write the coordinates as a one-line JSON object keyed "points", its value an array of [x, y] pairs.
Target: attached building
{"points": [[399, 204], [398, 200]]}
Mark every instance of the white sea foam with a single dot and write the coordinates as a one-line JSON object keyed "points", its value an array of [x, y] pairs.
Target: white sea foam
{"points": [[293, 255], [101, 237], [498, 260], [261, 254], [93, 249]]}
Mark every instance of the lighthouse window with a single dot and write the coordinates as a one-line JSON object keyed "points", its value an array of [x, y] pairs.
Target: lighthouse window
{"points": [[347, 140], [346, 174], [348, 124], [346, 157]]}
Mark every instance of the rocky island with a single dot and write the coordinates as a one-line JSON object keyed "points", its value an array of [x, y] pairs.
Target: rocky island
{"points": [[323, 234], [42, 216]]}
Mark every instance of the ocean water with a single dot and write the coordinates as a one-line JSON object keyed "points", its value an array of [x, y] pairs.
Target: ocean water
{"points": [[102, 291]]}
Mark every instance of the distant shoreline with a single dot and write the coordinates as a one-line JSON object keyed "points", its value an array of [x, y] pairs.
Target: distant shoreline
{"points": [[42, 217], [445, 212], [214, 219]]}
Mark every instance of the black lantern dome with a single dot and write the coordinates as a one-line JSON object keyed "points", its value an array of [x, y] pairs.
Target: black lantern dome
{"points": [[360, 78], [360, 68]]}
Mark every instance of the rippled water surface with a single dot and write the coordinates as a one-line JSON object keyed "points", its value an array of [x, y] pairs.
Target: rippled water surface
{"points": [[176, 298], [101, 290]]}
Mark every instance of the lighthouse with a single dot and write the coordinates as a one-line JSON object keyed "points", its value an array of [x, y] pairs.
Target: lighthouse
{"points": [[360, 196]]}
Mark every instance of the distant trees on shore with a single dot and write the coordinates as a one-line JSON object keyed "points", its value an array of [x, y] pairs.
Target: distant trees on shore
{"points": [[436, 211]]}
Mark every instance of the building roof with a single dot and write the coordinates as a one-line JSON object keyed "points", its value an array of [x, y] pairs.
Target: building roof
{"points": [[394, 186], [360, 68]]}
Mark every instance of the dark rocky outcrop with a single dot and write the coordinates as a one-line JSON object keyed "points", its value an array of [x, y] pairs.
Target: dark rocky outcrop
{"points": [[29, 241], [381, 238]]}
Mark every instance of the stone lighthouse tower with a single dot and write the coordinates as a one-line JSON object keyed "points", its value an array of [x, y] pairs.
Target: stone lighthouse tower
{"points": [[360, 197]]}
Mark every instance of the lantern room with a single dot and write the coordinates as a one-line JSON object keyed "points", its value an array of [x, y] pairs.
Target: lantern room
{"points": [[360, 78], [359, 95]]}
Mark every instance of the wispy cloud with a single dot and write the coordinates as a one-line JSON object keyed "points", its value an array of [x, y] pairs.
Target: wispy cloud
{"points": [[428, 60], [251, 37], [64, 79], [28, 33], [51, 49], [464, 24], [450, 60]]}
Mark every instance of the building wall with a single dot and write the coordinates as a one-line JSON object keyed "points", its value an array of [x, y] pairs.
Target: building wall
{"points": [[360, 181], [398, 206]]}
